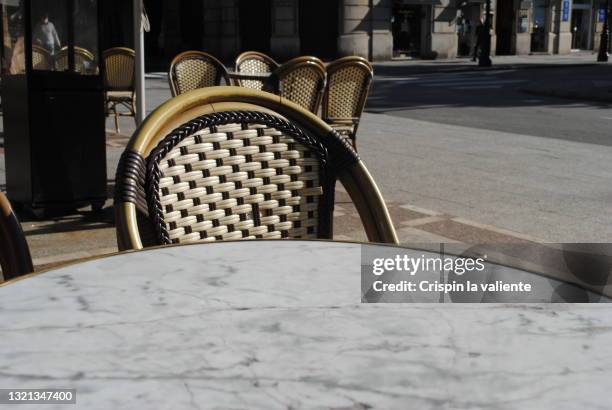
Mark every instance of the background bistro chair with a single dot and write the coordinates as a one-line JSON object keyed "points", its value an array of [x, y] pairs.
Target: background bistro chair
{"points": [[195, 69], [15, 258], [254, 62], [348, 83], [119, 82], [41, 58], [230, 163], [83, 60], [300, 80]]}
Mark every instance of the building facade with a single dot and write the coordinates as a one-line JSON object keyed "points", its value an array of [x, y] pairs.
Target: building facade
{"points": [[375, 29]]}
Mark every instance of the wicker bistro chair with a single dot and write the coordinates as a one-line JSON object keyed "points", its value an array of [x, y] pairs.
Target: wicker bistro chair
{"points": [[41, 58], [301, 80], [83, 60], [119, 83], [195, 69], [15, 258], [254, 62], [348, 83], [227, 163]]}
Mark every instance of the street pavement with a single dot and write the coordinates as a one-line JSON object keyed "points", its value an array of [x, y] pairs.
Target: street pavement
{"points": [[462, 156]]}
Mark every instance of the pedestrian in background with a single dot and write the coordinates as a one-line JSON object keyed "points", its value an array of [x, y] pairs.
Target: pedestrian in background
{"points": [[480, 30]]}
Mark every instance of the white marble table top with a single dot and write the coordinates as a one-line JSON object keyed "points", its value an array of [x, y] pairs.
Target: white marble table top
{"points": [[280, 325]]}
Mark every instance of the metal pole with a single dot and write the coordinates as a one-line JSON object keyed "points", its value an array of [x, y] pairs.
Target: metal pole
{"points": [[140, 63], [605, 36], [484, 59]]}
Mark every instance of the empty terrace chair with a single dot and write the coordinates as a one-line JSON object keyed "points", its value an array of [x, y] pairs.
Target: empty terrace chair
{"points": [[41, 58], [226, 163], [301, 80], [83, 60], [119, 83], [254, 62], [191, 70], [15, 259], [348, 83]]}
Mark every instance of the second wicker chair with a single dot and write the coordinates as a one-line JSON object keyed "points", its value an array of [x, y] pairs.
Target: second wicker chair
{"points": [[300, 80], [254, 62], [191, 70], [119, 83], [348, 83]]}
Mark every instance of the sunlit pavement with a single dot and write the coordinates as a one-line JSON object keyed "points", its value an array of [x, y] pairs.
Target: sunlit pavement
{"points": [[449, 172]]}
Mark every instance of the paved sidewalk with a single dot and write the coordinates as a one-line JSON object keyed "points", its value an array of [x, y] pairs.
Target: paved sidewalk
{"points": [[442, 183], [581, 58], [588, 90]]}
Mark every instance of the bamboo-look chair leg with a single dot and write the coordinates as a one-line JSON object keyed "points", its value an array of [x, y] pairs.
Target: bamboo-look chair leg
{"points": [[116, 118]]}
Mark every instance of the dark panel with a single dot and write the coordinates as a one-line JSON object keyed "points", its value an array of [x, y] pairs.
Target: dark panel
{"points": [[255, 25], [68, 147], [318, 22]]}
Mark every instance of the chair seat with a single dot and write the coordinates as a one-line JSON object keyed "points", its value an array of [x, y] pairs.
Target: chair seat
{"points": [[119, 96]]}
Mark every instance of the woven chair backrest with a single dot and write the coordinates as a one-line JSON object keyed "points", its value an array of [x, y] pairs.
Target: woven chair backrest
{"points": [[82, 59], [41, 58], [119, 69], [301, 80], [254, 62], [348, 84], [196, 70]]}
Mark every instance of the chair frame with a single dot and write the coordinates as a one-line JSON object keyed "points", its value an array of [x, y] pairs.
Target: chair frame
{"points": [[166, 123], [273, 84], [254, 55], [111, 105], [43, 52], [331, 69], [221, 69], [15, 256], [77, 50]]}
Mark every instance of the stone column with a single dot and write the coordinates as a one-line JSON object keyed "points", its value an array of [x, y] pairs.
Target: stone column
{"points": [[285, 40], [562, 40], [550, 27], [365, 29], [355, 26], [493, 25], [444, 41], [382, 38], [598, 24], [523, 40]]}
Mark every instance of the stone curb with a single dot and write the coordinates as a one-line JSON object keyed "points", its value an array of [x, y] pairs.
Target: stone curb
{"points": [[422, 69]]}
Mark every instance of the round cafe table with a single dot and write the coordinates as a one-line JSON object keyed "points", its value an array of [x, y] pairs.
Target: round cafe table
{"points": [[279, 324]]}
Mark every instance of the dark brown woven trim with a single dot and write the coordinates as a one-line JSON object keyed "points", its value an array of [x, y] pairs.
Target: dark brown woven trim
{"points": [[130, 180], [318, 145], [340, 150]]}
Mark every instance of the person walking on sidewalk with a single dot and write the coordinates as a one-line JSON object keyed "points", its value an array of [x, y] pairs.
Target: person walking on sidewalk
{"points": [[480, 30]]}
